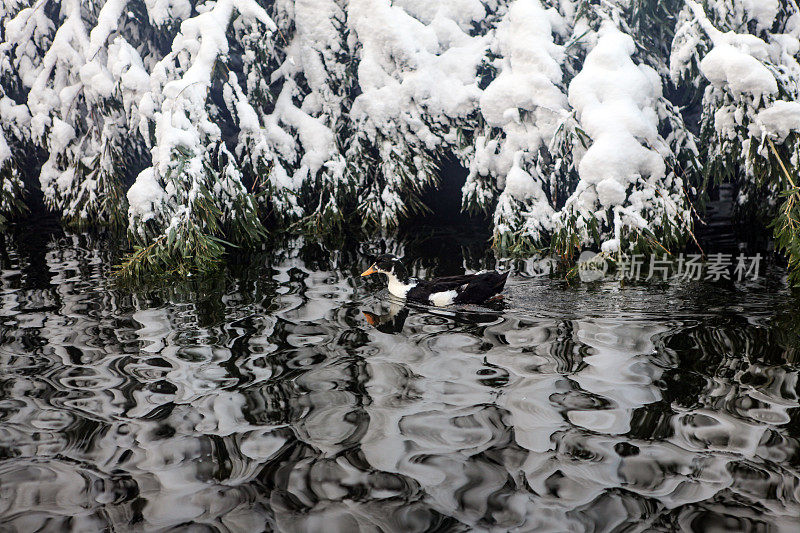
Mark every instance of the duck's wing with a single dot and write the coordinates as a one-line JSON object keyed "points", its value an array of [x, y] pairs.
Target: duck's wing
{"points": [[481, 288], [469, 288], [449, 283], [425, 289]]}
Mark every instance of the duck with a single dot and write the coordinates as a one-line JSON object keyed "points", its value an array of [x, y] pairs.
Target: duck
{"points": [[440, 292]]}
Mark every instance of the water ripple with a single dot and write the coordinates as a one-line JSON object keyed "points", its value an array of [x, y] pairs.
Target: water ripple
{"points": [[267, 400]]}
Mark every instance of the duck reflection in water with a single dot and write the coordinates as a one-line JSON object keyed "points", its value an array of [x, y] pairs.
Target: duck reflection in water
{"points": [[393, 321], [390, 322]]}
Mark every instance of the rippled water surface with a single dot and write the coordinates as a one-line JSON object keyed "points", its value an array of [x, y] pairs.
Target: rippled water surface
{"points": [[291, 395]]}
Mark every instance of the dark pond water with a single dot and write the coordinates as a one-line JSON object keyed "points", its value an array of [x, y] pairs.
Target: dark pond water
{"points": [[266, 400]]}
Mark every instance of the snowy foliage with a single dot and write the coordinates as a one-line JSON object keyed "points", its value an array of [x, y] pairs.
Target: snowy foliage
{"points": [[625, 192], [745, 55], [417, 73], [15, 118], [750, 79], [192, 124], [522, 109]]}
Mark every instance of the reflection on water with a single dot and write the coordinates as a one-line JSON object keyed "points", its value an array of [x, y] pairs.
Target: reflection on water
{"points": [[291, 397]]}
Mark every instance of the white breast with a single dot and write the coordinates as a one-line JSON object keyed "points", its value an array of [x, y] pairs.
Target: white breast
{"points": [[399, 289], [440, 299]]}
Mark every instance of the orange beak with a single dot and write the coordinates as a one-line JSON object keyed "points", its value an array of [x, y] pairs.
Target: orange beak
{"points": [[368, 272]]}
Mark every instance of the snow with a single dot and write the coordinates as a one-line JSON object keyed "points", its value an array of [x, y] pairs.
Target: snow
{"points": [[161, 11], [176, 102], [316, 139], [61, 134], [736, 60], [526, 102], [107, 22], [5, 151], [418, 82], [204, 37], [14, 117], [248, 118], [126, 65], [754, 81], [463, 12], [144, 195], [610, 246], [530, 68], [740, 70], [65, 179], [521, 185], [780, 119], [614, 100], [361, 97], [97, 78], [610, 192], [432, 66], [762, 11], [725, 122]]}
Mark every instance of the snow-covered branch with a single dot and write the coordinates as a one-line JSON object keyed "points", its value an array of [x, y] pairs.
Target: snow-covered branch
{"points": [[198, 123], [624, 187]]}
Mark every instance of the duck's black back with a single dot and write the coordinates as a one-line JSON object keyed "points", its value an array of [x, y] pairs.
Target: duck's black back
{"points": [[471, 288], [482, 288]]}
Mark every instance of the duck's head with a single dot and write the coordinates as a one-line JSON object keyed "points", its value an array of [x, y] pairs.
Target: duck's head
{"points": [[389, 266]]}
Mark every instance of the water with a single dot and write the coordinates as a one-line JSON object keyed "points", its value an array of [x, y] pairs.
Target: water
{"points": [[265, 400]]}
